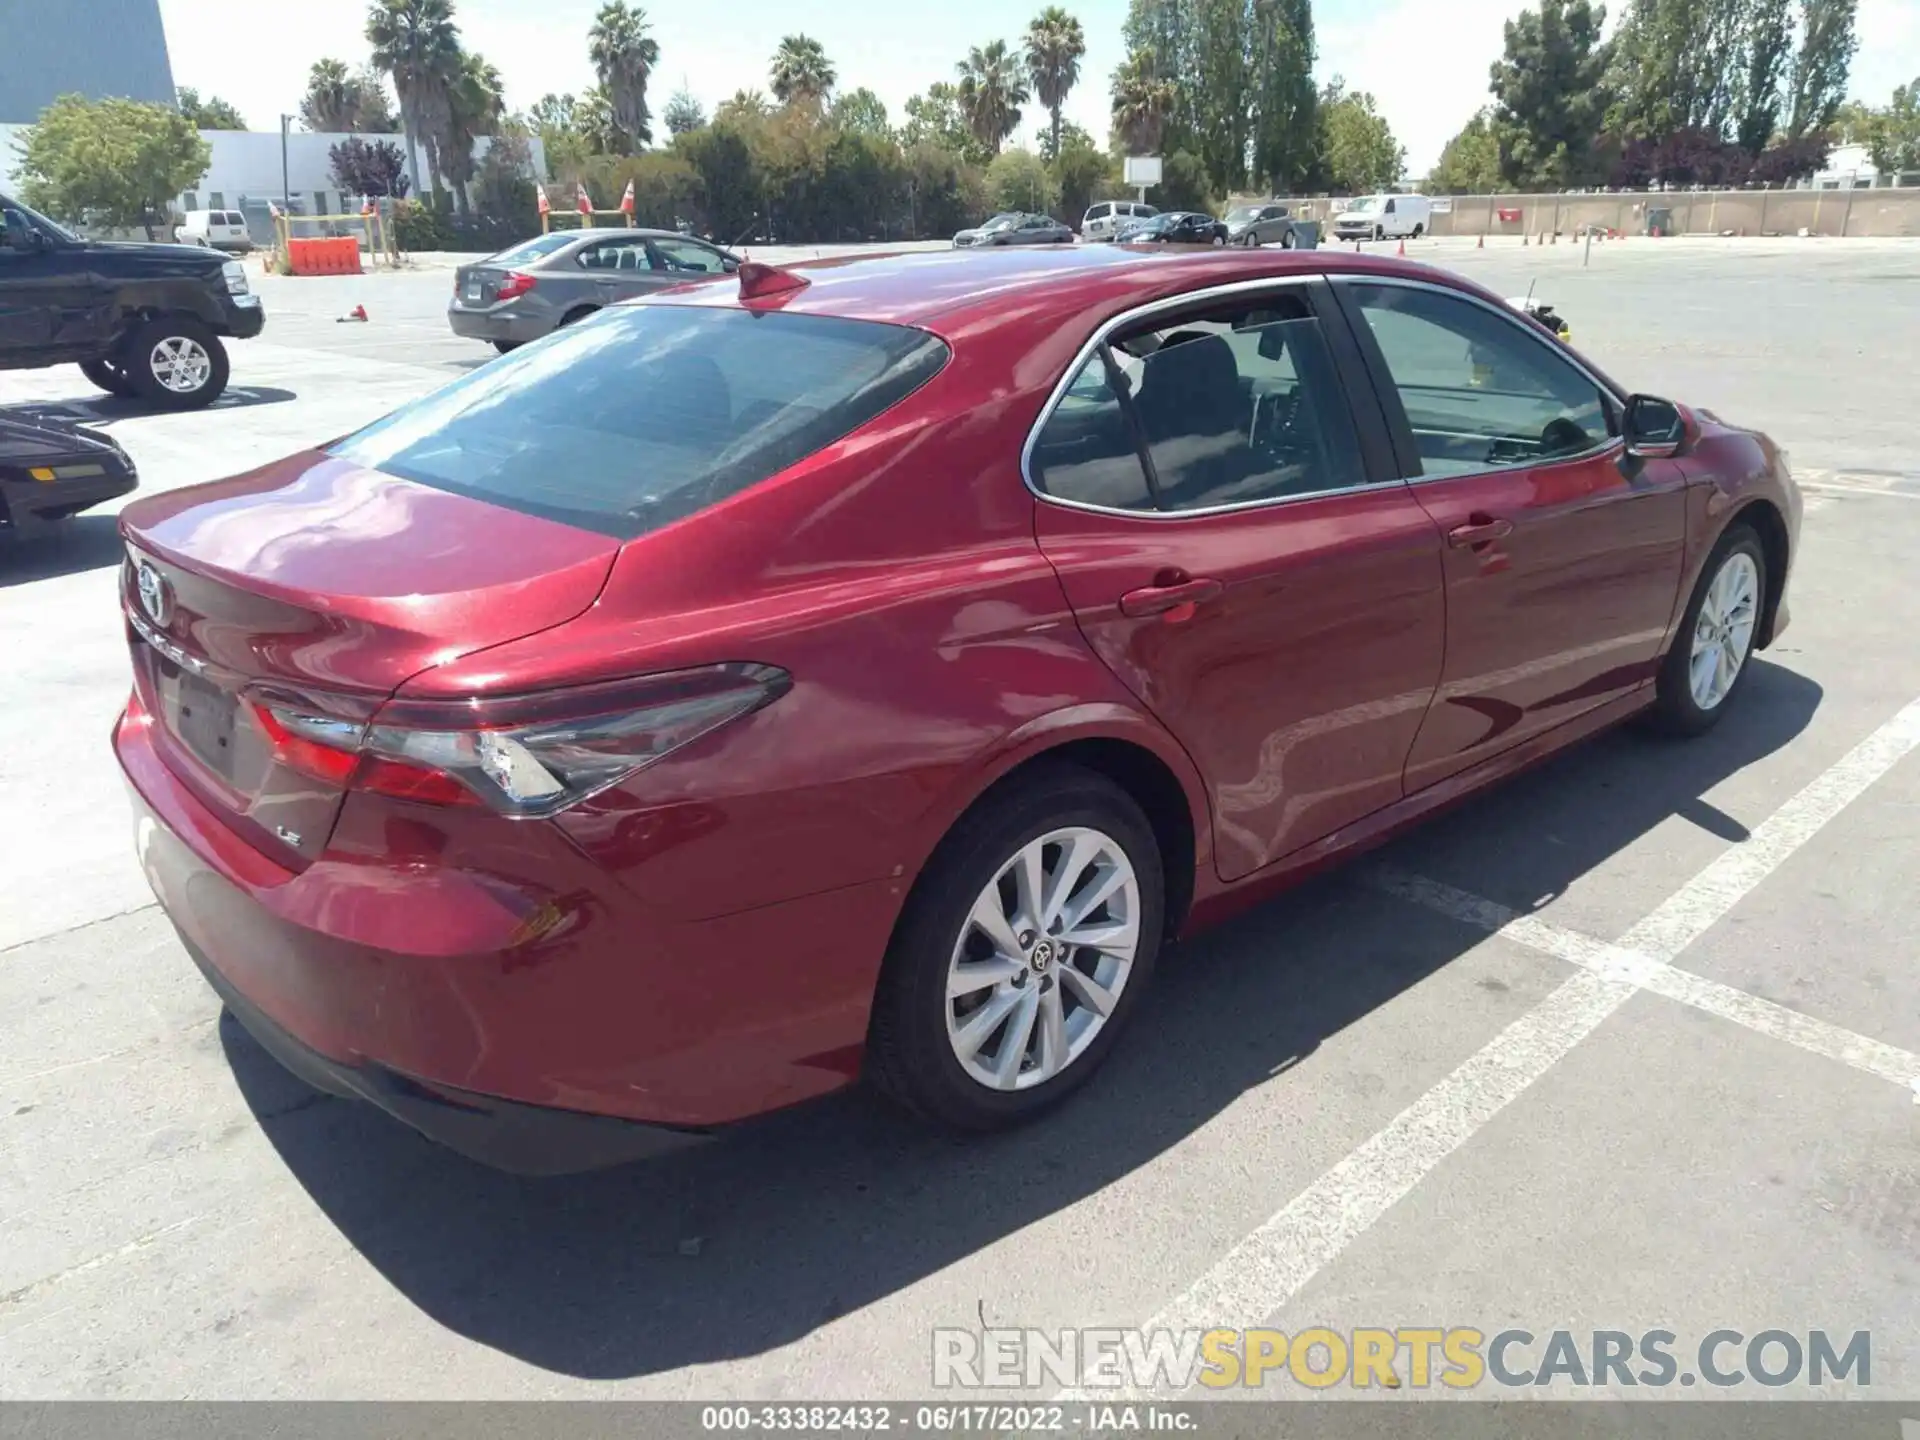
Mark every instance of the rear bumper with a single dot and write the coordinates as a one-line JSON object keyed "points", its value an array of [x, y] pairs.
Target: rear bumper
{"points": [[521, 1139], [482, 1007], [27, 502], [512, 327]]}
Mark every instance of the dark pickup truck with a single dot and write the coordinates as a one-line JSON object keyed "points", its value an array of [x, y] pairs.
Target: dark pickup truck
{"points": [[139, 319]]}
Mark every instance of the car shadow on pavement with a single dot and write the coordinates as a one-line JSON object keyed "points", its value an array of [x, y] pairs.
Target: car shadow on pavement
{"points": [[789, 1222], [100, 411], [65, 547]]}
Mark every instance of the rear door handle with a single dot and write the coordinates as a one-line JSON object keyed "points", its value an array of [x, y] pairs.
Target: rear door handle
{"points": [[1480, 530], [1160, 599]]}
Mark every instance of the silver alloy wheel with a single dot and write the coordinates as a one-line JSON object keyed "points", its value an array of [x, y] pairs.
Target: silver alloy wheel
{"points": [[1043, 958], [1723, 632], [181, 364]]}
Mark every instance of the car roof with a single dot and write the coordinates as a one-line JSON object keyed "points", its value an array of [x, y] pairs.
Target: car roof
{"points": [[962, 293]]}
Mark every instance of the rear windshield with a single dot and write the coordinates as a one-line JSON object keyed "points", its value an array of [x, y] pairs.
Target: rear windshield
{"points": [[533, 249], [644, 414]]}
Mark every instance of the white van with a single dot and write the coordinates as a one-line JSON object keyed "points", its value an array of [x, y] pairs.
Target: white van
{"points": [[1384, 217], [1104, 218], [215, 230]]}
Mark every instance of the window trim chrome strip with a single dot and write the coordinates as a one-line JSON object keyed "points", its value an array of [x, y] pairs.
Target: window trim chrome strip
{"points": [[1086, 352], [1272, 282]]}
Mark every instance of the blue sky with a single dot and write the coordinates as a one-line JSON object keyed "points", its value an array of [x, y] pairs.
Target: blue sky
{"points": [[1425, 62]]}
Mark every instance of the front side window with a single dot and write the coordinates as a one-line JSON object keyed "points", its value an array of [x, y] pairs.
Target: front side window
{"points": [[687, 258], [1232, 405], [644, 414], [1479, 389]]}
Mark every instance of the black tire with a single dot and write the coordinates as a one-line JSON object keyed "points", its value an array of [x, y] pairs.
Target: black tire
{"points": [[1287, 240], [910, 1056], [108, 376], [507, 347], [137, 358], [1674, 709], [579, 312], [1418, 230], [1379, 232]]}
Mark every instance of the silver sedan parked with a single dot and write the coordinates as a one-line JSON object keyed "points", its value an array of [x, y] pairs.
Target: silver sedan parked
{"points": [[555, 279], [1015, 228]]}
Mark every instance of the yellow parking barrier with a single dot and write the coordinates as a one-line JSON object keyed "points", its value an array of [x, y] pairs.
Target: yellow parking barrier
{"points": [[584, 217]]}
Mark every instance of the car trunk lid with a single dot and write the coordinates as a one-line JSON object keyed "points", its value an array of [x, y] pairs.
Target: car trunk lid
{"points": [[316, 588]]}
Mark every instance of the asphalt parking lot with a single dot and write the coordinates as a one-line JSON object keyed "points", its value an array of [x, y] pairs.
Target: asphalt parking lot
{"points": [[1632, 1043]]}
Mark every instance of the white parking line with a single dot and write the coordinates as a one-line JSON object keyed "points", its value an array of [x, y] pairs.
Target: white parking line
{"points": [[1616, 962], [1271, 1265]]}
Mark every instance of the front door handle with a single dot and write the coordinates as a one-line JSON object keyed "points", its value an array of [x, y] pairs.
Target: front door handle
{"points": [[1164, 599], [1479, 530]]}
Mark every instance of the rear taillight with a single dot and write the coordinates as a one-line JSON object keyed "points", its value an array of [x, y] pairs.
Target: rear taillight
{"points": [[517, 283], [525, 756]]}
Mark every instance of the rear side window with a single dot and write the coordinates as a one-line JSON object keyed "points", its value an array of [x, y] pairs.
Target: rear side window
{"points": [[1099, 212], [533, 249], [642, 415]]}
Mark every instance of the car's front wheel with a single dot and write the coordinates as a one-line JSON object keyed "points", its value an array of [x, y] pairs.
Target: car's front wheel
{"points": [[108, 376], [1022, 954], [177, 362], [1715, 641]]}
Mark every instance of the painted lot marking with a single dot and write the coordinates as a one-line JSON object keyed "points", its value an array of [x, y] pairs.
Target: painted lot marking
{"points": [[1272, 1264]]}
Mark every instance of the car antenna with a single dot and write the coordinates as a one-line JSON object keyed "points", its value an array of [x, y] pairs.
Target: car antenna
{"points": [[760, 281]]}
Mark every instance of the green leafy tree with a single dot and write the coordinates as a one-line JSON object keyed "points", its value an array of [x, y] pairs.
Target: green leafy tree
{"points": [[556, 120], [1183, 184], [1019, 180], [683, 113], [376, 106], [1222, 117], [476, 108], [992, 90], [1082, 173], [944, 192], [1285, 100], [1892, 135], [1817, 78], [1765, 47], [504, 178], [369, 167], [741, 105], [1357, 148], [1470, 163], [862, 112], [936, 118], [213, 113], [1550, 99], [801, 72], [1055, 46], [110, 162], [417, 45], [331, 105], [1168, 30], [1142, 102], [623, 56]]}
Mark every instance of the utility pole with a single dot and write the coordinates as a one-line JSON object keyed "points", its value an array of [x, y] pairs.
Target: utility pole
{"points": [[286, 184]]}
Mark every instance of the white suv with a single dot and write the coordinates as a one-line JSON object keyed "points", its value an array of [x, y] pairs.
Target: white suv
{"points": [[1105, 217]]}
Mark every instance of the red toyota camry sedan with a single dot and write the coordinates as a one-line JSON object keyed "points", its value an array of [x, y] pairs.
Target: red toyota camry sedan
{"points": [[870, 667]]}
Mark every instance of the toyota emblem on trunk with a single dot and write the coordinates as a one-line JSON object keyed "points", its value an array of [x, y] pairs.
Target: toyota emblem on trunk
{"points": [[156, 596]]}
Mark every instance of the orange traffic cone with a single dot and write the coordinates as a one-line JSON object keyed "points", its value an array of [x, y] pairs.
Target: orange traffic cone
{"points": [[358, 313], [1402, 250]]}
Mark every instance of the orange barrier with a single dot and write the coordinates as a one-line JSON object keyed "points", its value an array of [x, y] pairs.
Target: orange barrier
{"points": [[336, 255]]}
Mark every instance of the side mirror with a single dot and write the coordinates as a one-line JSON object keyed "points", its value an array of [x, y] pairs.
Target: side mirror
{"points": [[1654, 428]]}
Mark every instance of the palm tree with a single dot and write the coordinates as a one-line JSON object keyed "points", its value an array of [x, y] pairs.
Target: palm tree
{"points": [[332, 102], [801, 71], [477, 105], [624, 54], [1141, 100], [417, 43], [1055, 45], [992, 89]]}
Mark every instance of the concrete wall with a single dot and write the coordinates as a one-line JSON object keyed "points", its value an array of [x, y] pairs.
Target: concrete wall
{"points": [[95, 48], [1875, 212]]}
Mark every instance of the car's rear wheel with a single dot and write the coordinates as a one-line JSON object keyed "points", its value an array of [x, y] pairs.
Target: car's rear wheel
{"points": [[1218, 238], [1708, 661], [507, 347], [579, 312], [1418, 230], [108, 376], [1022, 954], [177, 362]]}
